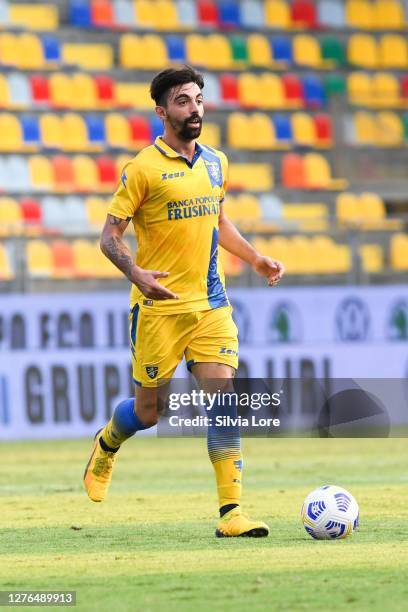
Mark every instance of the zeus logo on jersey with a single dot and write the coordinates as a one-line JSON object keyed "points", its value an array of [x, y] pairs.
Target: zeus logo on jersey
{"points": [[166, 176], [227, 351]]}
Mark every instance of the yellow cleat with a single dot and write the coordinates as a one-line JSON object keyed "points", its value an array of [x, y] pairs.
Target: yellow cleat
{"points": [[235, 524], [98, 472]]}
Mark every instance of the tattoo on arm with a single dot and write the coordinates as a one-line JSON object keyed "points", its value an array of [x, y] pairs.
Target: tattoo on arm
{"points": [[114, 220], [116, 250]]}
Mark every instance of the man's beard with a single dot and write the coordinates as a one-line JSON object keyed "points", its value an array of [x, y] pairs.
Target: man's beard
{"points": [[185, 131]]}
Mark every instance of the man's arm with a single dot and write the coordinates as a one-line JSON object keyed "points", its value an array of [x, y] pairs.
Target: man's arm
{"points": [[232, 241], [115, 249]]}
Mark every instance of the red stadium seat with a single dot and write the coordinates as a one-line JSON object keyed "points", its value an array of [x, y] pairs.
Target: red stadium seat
{"points": [[324, 129], [40, 91], [207, 12], [107, 171], [102, 13], [140, 131], [293, 88], [31, 211], [105, 89], [63, 259], [293, 173], [229, 88], [404, 86], [304, 13], [63, 173]]}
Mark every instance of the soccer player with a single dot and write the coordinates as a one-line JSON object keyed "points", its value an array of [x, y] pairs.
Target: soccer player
{"points": [[172, 191]]}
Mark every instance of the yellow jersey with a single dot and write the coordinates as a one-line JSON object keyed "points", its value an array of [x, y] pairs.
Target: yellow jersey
{"points": [[174, 205]]}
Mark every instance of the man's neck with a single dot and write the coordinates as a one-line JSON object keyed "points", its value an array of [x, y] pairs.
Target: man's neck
{"points": [[186, 148]]}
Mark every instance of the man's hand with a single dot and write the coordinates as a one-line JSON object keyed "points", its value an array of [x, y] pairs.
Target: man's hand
{"points": [[146, 281], [272, 269]]}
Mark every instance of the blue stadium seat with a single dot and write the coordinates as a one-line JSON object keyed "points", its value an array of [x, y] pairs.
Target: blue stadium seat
{"points": [[19, 89], [176, 50], [331, 13], [123, 13], [51, 48], [187, 13], [252, 14], [80, 13], [96, 129], [313, 91], [229, 14], [282, 49], [31, 129], [156, 125], [283, 128]]}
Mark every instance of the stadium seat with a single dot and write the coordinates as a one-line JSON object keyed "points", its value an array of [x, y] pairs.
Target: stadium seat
{"points": [[272, 95], [212, 91], [102, 13], [359, 89], [313, 91], [123, 14], [80, 13], [41, 173], [88, 56], [347, 209], [86, 176], [39, 259], [259, 51], [10, 216], [271, 206], [165, 15], [84, 256], [399, 251], [51, 130], [324, 130], [75, 214], [252, 14], [187, 14], [262, 133], [238, 130], [29, 52], [251, 177], [318, 173], [4, 13], [229, 14], [304, 131], [372, 207], [40, 89], [17, 177], [140, 132], [362, 51], [306, 51], [31, 211], [19, 91], [95, 126], [404, 87], [6, 272], [249, 90], [389, 129], [74, 132], [293, 88], [218, 54], [84, 92], [51, 50], [405, 126], [283, 130], [9, 44], [117, 131], [105, 91], [11, 133], [31, 131], [156, 126], [176, 50], [364, 128], [61, 90], [304, 14], [153, 52], [96, 211], [393, 51], [293, 171], [210, 135], [388, 15], [130, 51], [229, 89], [62, 260], [331, 13], [54, 215], [5, 98], [277, 14], [63, 173], [43, 17], [282, 50], [372, 258], [239, 50], [207, 13], [107, 173], [385, 90], [334, 84], [332, 51], [360, 14]]}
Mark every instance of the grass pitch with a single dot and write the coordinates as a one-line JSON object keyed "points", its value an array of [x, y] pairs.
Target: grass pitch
{"points": [[150, 546]]}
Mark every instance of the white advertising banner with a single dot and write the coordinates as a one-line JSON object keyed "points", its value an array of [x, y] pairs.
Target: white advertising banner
{"points": [[65, 361]]}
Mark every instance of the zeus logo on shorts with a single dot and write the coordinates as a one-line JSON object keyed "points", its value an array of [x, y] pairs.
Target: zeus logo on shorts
{"points": [[152, 371], [225, 351]]}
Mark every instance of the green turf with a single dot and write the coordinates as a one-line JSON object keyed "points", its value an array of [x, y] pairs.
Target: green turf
{"points": [[151, 545]]}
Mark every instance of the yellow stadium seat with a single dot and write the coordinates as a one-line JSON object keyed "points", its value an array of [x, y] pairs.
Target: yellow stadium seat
{"points": [[360, 14], [86, 176], [196, 49], [103, 267], [6, 272], [259, 51], [249, 90], [362, 51], [117, 131], [311, 217], [271, 91], [61, 90], [218, 52], [5, 101], [388, 15], [262, 132], [11, 138], [154, 52], [84, 253], [322, 247], [253, 177], [211, 135], [303, 128], [386, 91], [41, 173], [166, 17], [277, 14], [318, 173], [347, 208], [280, 248], [39, 259], [306, 51], [51, 130], [393, 51], [8, 45], [364, 128], [303, 255], [372, 206], [121, 162], [359, 88], [74, 133], [239, 130], [134, 95], [372, 257], [88, 56], [131, 51], [389, 129], [84, 92], [43, 17], [29, 52], [247, 210], [144, 13], [96, 211], [399, 251], [10, 216]]}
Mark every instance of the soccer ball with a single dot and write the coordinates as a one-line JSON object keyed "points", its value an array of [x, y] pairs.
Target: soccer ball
{"points": [[330, 512]]}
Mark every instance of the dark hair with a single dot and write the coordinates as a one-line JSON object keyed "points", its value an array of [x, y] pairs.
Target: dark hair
{"points": [[171, 77]]}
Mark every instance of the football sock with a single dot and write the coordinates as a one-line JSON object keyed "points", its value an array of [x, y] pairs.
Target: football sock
{"points": [[224, 449], [123, 424]]}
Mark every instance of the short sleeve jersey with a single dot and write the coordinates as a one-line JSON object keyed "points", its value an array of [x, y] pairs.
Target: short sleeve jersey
{"points": [[174, 205]]}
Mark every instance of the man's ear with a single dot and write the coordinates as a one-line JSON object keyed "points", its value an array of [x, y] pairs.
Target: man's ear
{"points": [[161, 112]]}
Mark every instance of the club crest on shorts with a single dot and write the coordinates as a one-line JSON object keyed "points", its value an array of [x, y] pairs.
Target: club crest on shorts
{"points": [[152, 371]]}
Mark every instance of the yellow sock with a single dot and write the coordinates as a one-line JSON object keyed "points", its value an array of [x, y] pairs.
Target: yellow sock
{"points": [[111, 436], [228, 473]]}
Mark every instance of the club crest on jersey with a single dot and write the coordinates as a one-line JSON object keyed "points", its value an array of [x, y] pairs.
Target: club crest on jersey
{"points": [[152, 371], [214, 172]]}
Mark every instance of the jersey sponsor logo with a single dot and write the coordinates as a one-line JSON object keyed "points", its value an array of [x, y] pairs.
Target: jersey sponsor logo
{"points": [[147, 302], [152, 371], [165, 176], [226, 351], [193, 207]]}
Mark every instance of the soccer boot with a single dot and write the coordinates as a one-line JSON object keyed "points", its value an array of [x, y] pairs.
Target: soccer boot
{"points": [[235, 524], [98, 472]]}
